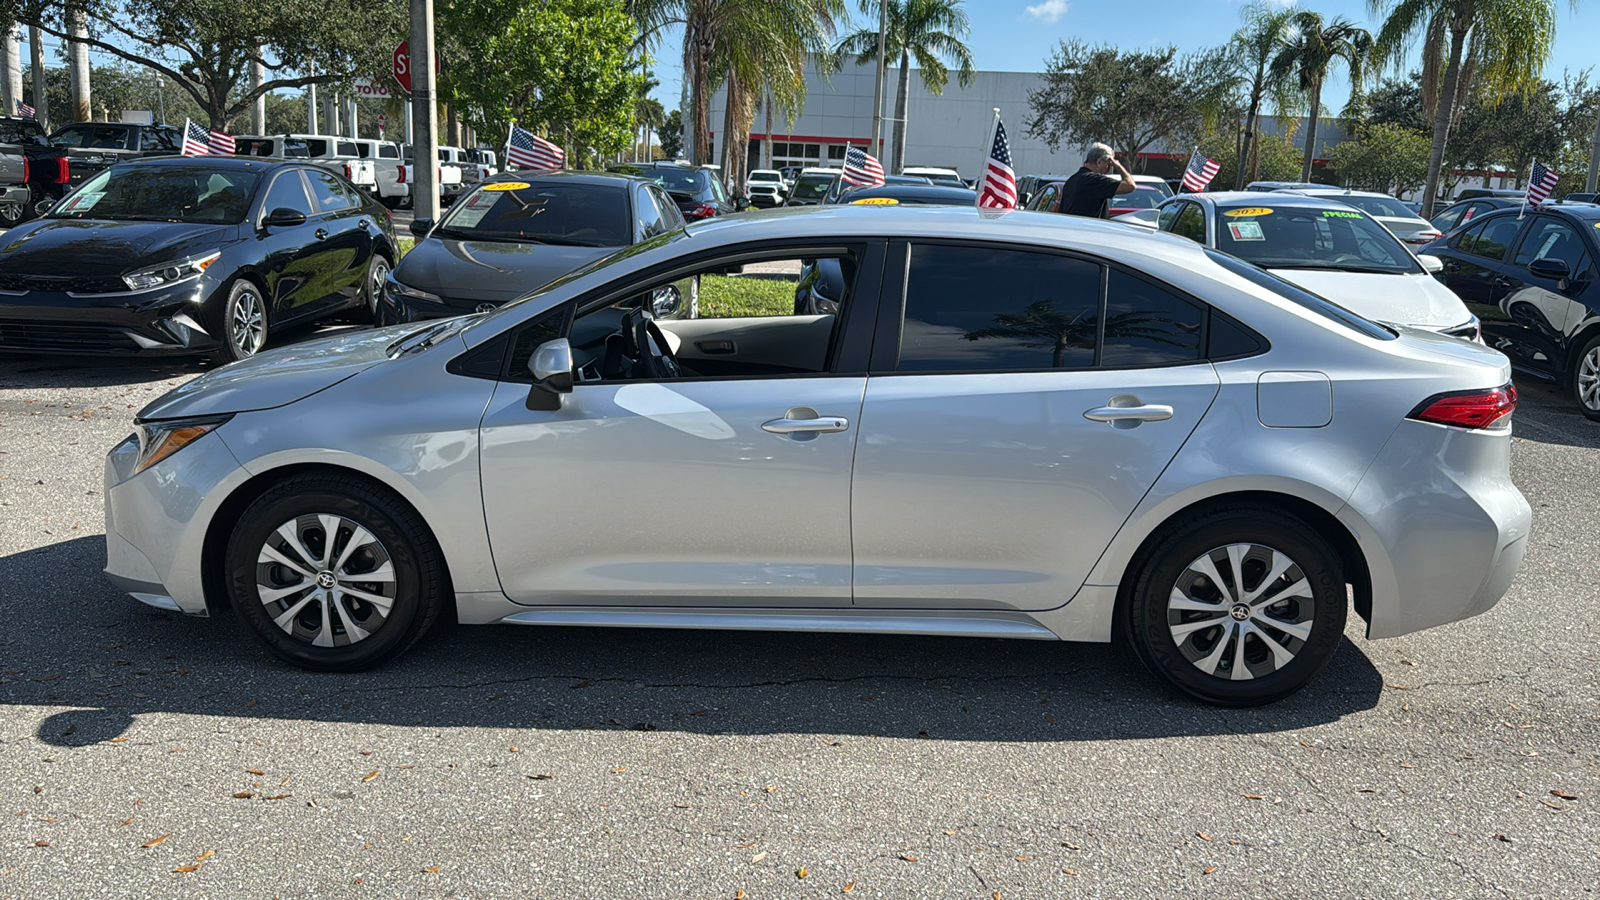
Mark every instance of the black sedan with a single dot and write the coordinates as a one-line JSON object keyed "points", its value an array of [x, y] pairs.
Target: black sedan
{"points": [[1532, 280], [699, 193], [516, 233], [189, 256], [1461, 212]]}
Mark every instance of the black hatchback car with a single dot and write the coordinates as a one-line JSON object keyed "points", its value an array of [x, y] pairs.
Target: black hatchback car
{"points": [[517, 233], [1534, 284], [699, 193], [191, 255]]}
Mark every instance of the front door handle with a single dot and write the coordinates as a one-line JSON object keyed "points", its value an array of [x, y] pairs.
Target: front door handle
{"points": [[1126, 411], [817, 425], [322, 234]]}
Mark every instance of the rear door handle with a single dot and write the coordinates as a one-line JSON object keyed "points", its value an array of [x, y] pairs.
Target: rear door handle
{"points": [[818, 425], [1152, 412]]}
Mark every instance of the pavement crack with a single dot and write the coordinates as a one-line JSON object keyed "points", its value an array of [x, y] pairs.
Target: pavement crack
{"points": [[1466, 870]]}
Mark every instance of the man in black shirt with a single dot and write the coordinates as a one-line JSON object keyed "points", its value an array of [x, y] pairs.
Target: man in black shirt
{"points": [[1089, 192]]}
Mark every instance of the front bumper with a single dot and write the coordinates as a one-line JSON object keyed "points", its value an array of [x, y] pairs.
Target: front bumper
{"points": [[1442, 526], [169, 321], [156, 520]]}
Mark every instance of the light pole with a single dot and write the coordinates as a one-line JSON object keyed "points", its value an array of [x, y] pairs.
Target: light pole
{"points": [[161, 102]]}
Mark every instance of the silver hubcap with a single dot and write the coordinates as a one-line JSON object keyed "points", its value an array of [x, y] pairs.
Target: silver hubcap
{"points": [[1589, 379], [379, 273], [248, 323], [1241, 611], [325, 580]]}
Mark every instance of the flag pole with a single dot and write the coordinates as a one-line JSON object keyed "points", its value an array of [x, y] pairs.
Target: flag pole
{"points": [[1186, 168], [983, 170], [1523, 210], [510, 130]]}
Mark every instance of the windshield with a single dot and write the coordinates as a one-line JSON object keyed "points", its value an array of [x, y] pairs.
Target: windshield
{"points": [[672, 179], [547, 213], [1139, 198], [766, 176], [14, 132], [1290, 238], [811, 187], [99, 137], [1378, 206], [170, 193]]}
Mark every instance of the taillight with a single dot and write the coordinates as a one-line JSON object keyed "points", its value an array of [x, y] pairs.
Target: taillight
{"points": [[63, 171], [401, 176], [704, 211], [1422, 237], [27, 175], [347, 171], [1468, 409]]}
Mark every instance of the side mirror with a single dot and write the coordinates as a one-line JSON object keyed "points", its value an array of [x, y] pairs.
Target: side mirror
{"points": [[551, 366], [741, 203], [284, 217], [1554, 269], [421, 227], [43, 206], [1431, 264]]}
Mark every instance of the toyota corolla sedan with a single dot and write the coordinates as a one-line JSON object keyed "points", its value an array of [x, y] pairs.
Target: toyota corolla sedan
{"points": [[1327, 248], [200, 255], [1022, 426]]}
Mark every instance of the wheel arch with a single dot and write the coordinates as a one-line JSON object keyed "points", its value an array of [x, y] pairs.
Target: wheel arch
{"points": [[1588, 332], [1352, 560], [215, 545]]}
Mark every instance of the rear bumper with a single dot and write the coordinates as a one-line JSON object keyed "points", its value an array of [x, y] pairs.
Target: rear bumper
{"points": [[1442, 526]]}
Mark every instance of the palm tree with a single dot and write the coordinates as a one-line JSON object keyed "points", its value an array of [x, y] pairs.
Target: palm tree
{"points": [[929, 30], [1307, 52], [1505, 43], [1254, 45]]}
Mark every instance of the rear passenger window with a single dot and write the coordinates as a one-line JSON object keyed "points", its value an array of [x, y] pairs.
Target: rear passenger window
{"points": [[1148, 325], [982, 309], [332, 194], [1491, 239], [1191, 223]]}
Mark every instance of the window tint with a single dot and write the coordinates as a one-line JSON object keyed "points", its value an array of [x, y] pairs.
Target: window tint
{"points": [[670, 214], [1301, 297], [331, 194], [1448, 219], [1169, 215], [347, 148], [981, 309], [316, 146], [388, 151], [545, 328], [1147, 325], [647, 214], [1191, 223], [287, 192], [1046, 198], [1553, 239], [1491, 240], [162, 139]]}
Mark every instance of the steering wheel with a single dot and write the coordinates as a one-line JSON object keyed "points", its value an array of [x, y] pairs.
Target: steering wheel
{"points": [[644, 343]]}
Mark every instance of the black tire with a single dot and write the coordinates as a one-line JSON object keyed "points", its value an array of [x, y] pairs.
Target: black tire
{"points": [[402, 544], [12, 214], [372, 292], [235, 319], [1170, 562], [1586, 373]]}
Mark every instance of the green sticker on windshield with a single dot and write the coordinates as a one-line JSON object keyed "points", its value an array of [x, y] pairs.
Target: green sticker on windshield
{"points": [[1340, 214]]}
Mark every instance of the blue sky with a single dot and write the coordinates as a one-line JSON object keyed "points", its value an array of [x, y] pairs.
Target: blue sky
{"points": [[1019, 35]]}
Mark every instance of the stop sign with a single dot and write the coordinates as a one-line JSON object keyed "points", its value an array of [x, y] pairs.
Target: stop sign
{"points": [[402, 64]]}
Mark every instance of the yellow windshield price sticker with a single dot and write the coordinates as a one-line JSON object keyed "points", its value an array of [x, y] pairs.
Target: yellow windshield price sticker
{"points": [[1248, 211], [876, 201], [506, 186]]}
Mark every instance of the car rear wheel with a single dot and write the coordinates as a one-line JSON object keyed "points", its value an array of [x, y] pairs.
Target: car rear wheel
{"points": [[1239, 606], [372, 294], [244, 322], [333, 574], [1586, 379]]}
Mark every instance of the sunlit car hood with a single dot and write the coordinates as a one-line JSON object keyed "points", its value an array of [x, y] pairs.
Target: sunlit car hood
{"points": [[279, 377], [94, 248], [1401, 299], [489, 270]]}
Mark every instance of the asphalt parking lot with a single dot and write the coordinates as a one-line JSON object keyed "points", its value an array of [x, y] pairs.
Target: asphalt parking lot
{"points": [[147, 754]]}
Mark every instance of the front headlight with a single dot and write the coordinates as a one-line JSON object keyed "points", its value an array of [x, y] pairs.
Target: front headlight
{"points": [[398, 290], [168, 274], [159, 440]]}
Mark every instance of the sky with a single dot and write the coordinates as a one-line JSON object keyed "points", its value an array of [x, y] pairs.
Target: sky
{"points": [[1019, 35]]}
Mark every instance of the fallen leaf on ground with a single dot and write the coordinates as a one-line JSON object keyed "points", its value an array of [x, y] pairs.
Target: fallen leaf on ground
{"points": [[205, 856], [285, 780], [759, 857], [154, 841], [127, 822], [279, 796], [516, 749], [431, 869], [1208, 870], [747, 845], [41, 843], [908, 857], [1556, 792], [1070, 845], [251, 704], [1407, 766], [1503, 838], [619, 769], [117, 740], [370, 775], [408, 766], [255, 771], [1049, 718], [542, 777], [51, 677], [800, 872], [1069, 871], [770, 788], [1020, 858], [1202, 835], [582, 684], [243, 795], [1254, 797], [951, 830], [1551, 805], [739, 894], [848, 888], [192, 867]]}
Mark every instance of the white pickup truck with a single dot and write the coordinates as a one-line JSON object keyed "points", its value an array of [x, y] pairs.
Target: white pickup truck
{"points": [[472, 173], [392, 189], [451, 178], [336, 153]]}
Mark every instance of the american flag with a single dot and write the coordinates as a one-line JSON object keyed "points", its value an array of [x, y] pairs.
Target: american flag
{"points": [[1200, 172], [997, 189], [24, 110], [1541, 184], [529, 151], [199, 140], [861, 170]]}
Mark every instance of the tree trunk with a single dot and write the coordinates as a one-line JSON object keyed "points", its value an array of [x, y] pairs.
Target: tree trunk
{"points": [[78, 59], [1441, 118], [897, 152], [730, 144], [700, 154], [766, 142], [1311, 130], [1249, 132]]}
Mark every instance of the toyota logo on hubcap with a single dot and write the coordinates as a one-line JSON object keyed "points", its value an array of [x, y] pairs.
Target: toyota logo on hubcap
{"points": [[1240, 612], [326, 580]]}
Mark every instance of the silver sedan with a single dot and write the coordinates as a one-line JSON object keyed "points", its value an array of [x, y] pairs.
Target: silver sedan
{"points": [[1009, 426]]}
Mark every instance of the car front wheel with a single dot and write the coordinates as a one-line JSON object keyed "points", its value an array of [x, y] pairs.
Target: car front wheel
{"points": [[244, 322], [334, 574], [1240, 606], [1586, 379]]}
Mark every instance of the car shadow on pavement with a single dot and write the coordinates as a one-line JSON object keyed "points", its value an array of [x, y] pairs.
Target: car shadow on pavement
{"points": [[65, 370], [78, 645]]}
